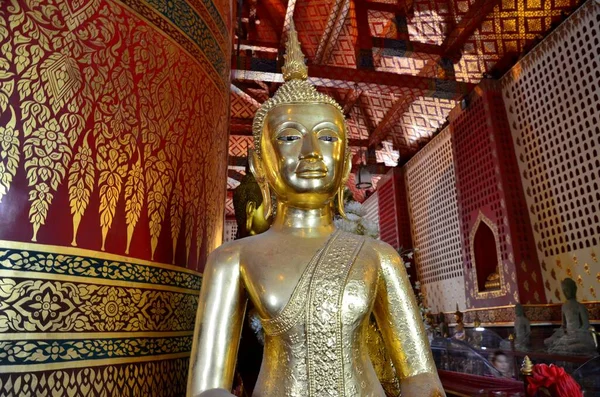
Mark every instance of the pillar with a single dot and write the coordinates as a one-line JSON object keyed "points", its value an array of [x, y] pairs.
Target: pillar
{"points": [[394, 222], [113, 125]]}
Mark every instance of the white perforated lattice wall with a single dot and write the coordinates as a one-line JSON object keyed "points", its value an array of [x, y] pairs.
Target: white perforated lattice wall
{"points": [[553, 106], [435, 224], [230, 230], [371, 207]]}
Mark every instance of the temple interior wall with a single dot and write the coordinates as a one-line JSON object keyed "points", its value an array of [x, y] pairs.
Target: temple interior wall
{"points": [[435, 224], [371, 207], [539, 135], [553, 106]]}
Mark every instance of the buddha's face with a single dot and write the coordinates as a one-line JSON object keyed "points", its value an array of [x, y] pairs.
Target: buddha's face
{"points": [[303, 153], [569, 288], [256, 222]]}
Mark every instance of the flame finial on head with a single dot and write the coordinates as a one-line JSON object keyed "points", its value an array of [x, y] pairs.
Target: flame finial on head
{"points": [[294, 66]]}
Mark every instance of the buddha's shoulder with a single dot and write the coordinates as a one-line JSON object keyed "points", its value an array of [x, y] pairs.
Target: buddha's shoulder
{"points": [[380, 248], [235, 247]]}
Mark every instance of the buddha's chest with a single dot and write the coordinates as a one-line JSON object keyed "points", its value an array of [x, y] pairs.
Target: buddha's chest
{"points": [[276, 278]]}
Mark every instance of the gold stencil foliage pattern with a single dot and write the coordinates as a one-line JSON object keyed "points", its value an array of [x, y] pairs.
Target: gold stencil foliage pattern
{"points": [[93, 97]]}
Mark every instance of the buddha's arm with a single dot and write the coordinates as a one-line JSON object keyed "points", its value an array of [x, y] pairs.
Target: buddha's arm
{"points": [[218, 323], [585, 320], [401, 325]]}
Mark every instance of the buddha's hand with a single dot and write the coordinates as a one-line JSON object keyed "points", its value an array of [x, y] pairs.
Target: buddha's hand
{"points": [[426, 384], [215, 393]]}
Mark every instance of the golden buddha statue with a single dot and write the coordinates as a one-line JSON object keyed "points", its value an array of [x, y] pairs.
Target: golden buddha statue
{"points": [[313, 286], [459, 328], [492, 281], [249, 207]]}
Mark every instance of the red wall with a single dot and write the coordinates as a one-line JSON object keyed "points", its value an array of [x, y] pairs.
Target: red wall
{"points": [[119, 131], [488, 183], [394, 222]]}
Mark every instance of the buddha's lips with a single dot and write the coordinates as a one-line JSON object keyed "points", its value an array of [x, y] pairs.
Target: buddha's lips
{"points": [[312, 169]]}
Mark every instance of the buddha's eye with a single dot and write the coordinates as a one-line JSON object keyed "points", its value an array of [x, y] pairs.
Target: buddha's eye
{"points": [[328, 135], [328, 138], [289, 135], [288, 138]]}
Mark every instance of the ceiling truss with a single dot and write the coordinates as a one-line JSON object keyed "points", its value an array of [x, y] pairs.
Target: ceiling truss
{"points": [[396, 66]]}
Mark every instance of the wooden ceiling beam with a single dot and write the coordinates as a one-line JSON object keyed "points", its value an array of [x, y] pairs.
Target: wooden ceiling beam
{"points": [[406, 48], [240, 127], [363, 47], [450, 49], [335, 23], [365, 80], [233, 174], [456, 39], [370, 80], [237, 161], [243, 127], [350, 100], [259, 43], [402, 7]]}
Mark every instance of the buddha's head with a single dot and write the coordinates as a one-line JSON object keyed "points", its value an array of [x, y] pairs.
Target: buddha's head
{"points": [[458, 316], [519, 312], [249, 207], [441, 318], [301, 149], [569, 288]]}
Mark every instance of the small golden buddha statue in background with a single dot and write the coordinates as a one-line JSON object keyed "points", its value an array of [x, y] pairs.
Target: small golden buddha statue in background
{"points": [[477, 335], [249, 207], [313, 286], [459, 328], [493, 280]]}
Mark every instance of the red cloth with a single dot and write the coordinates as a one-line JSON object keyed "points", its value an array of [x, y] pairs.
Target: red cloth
{"points": [[554, 379], [467, 384]]}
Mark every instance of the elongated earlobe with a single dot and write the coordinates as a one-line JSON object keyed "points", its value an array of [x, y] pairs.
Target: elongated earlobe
{"points": [[340, 201], [256, 168], [250, 208], [266, 195], [340, 192]]}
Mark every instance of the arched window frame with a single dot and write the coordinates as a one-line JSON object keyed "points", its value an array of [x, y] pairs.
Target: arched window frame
{"points": [[502, 266]]}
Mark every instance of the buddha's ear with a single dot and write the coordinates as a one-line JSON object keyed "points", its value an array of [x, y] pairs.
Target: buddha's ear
{"points": [[347, 167], [256, 168], [345, 176], [250, 208]]}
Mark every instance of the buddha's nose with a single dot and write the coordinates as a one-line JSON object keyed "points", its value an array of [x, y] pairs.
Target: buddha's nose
{"points": [[310, 148]]}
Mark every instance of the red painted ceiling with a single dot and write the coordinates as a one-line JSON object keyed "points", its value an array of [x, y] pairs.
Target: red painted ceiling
{"points": [[396, 66]]}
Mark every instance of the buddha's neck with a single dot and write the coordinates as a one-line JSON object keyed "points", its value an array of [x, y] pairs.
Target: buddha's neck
{"points": [[303, 222]]}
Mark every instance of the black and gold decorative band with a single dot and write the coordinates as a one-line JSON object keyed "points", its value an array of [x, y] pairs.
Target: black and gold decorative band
{"points": [[63, 309], [67, 261]]}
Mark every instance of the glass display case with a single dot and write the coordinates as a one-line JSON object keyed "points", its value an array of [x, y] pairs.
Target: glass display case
{"points": [[468, 368], [588, 376], [466, 371]]}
